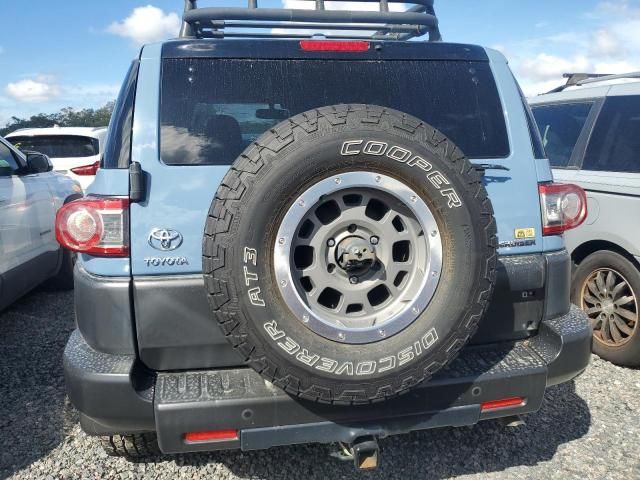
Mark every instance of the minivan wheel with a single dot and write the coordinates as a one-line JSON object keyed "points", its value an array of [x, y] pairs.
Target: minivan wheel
{"points": [[607, 287], [349, 253]]}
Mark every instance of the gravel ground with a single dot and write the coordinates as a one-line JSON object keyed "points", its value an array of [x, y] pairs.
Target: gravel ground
{"points": [[586, 429]]}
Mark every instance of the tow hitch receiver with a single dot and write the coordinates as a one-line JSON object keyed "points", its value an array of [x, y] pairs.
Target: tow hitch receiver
{"points": [[366, 453]]}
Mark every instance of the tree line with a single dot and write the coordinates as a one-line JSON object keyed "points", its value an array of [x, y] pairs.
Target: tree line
{"points": [[67, 117]]}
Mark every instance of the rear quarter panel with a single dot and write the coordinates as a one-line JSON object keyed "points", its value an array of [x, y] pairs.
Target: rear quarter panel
{"points": [[614, 208]]}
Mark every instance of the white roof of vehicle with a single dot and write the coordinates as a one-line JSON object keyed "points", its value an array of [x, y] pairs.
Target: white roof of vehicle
{"points": [[606, 88], [93, 132]]}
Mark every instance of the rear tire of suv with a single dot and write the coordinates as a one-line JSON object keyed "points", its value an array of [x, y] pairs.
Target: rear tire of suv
{"points": [[607, 286], [134, 446], [396, 229]]}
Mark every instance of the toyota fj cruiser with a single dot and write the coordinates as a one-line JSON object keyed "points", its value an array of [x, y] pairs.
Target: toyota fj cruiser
{"points": [[295, 239]]}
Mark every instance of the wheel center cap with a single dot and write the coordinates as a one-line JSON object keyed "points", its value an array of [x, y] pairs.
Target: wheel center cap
{"points": [[355, 255], [607, 306]]}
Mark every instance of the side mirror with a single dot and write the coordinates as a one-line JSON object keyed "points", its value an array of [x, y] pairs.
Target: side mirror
{"points": [[38, 163]]}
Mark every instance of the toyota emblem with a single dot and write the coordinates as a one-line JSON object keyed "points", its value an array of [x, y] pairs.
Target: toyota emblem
{"points": [[165, 239]]}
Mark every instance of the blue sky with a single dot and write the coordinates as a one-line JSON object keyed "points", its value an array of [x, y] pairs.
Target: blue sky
{"points": [[59, 53]]}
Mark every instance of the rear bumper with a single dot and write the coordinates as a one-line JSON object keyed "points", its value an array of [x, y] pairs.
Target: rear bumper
{"points": [[115, 394]]}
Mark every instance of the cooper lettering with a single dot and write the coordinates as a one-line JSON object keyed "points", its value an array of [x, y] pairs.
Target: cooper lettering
{"points": [[348, 148], [375, 148]]}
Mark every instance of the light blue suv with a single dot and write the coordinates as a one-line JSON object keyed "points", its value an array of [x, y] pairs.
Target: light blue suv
{"points": [[299, 240], [30, 194]]}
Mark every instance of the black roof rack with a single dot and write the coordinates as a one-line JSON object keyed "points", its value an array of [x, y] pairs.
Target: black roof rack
{"points": [[579, 79], [220, 22]]}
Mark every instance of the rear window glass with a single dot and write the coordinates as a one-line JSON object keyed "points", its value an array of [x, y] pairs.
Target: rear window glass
{"points": [[560, 126], [615, 141], [58, 146], [211, 110]]}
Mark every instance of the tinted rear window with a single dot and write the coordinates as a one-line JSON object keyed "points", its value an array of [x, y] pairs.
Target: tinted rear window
{"points": [[560, 126], [212, 109], [59, 146], [615, 142]]}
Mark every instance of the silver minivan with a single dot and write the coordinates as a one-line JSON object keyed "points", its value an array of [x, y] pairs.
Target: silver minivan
{"points": [[591, 132]]}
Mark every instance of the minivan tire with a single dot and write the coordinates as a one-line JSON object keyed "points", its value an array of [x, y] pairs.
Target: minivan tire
{"points": [[242, 234], [628, 352]]}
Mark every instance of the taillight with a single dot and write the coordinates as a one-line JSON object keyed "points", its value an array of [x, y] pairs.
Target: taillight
{"points": [[97, 226], [87, 170], [564, 206], [333, 46]]}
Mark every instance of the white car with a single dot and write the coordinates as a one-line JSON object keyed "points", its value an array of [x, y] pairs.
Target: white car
{"points": [[74, 151], [591, 132], [30, 195]]}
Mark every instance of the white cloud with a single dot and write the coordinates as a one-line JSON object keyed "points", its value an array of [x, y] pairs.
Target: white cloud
{"points": [[606, 44], [609, 43], [92, 90], [39, 89], [146, 25], [547, 67]]}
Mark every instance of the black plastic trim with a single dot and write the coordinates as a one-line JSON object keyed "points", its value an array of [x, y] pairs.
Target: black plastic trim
{"points": [[112, 392], [518, 300], [117, 395], [557, 284], [240, 399], [103, 312], [175, 327]]}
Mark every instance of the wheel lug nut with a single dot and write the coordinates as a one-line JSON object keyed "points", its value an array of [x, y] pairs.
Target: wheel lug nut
{"points": [[331, 242], [353, 280], [374, 240]]}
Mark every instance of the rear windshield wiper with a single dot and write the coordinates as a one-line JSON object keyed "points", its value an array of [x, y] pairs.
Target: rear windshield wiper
{"points": [[483, 167]]}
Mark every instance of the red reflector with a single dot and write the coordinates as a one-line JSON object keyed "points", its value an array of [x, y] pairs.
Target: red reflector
{"points": [[333, 46], [504, 403], [212, 436], [87, 170]]}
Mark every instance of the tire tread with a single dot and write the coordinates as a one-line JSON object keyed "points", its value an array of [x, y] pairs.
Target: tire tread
{"points": [[227, 202]]}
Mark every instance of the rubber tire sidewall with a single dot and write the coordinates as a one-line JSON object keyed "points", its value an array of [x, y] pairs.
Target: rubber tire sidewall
{"points": [[455, 309], [629, 353]]}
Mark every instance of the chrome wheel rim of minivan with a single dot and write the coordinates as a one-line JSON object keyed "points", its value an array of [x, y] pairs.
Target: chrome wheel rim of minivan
{"points": [[612, 306], [358, 257]]}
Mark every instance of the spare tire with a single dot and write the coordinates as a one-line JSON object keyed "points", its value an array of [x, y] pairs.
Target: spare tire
{"points": [[350, 253]]}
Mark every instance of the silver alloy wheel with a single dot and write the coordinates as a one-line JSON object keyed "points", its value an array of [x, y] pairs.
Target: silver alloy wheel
{"points": [[358, 257], [611, 304]]}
